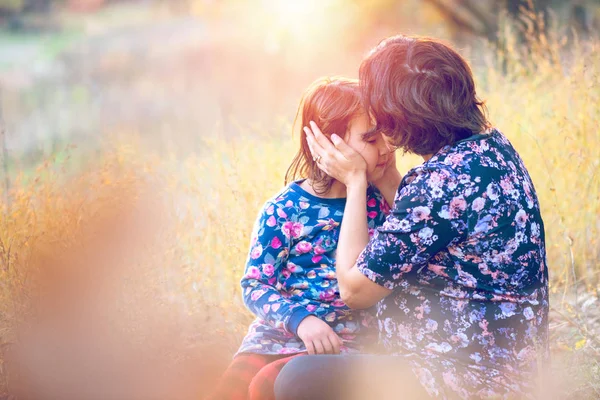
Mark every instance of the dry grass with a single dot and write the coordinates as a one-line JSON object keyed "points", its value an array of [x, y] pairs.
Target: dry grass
{"points": [[136, 259]]}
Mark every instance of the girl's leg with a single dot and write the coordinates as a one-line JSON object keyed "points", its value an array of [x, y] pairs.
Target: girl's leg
{"points": [[263, 384], [348, 378], [234, 383]]}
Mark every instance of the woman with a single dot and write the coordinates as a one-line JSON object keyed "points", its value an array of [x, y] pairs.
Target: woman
{"points": [[458, 270]]}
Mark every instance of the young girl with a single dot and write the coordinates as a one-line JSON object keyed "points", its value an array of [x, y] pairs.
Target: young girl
{"points": [[290, 282]]}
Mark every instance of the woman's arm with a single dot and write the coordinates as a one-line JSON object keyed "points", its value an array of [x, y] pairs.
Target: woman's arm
{"points": [[422, 223], [340, 161], [354, 236]]}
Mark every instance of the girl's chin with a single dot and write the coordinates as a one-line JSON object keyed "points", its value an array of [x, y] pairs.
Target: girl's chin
{"points": [[375, 175]]}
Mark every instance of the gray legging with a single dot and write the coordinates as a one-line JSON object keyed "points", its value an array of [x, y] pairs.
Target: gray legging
{"points": [[330, 377]]}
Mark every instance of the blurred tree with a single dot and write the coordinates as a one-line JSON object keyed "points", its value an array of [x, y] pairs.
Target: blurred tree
{"points": [[481, 18], [12, 11]]}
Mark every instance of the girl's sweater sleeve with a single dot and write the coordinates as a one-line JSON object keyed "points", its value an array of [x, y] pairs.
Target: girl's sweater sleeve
{"points": [[267, 259]]}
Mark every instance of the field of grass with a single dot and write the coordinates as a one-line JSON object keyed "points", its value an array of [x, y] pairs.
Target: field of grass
{"points": [[153, 244]]}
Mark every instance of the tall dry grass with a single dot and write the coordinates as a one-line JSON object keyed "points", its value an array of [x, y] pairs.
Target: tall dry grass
{"points": [[124, 276]]}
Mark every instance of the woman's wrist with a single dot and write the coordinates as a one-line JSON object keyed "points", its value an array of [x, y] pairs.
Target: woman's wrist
{"points": [[358, 184]]}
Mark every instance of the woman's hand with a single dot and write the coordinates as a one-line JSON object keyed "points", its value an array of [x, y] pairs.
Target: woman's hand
{"points": [[318, 337], [335, 157]]}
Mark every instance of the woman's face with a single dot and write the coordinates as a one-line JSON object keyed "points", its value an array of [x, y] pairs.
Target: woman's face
{"points": [[375, 150]]}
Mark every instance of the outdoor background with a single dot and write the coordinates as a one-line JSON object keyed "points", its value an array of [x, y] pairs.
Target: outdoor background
{"points": [[139, 138]]}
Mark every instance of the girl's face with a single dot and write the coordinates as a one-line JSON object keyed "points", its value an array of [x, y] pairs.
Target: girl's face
{"points": [[375, 150]]}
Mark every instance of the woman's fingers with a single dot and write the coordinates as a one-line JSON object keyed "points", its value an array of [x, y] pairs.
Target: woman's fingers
{"points": [[315, 149], [343, 147], [321, 139], [310, 348]]}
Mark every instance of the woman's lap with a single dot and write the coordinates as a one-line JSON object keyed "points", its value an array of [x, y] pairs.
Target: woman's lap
{"points": [[348, 377]]}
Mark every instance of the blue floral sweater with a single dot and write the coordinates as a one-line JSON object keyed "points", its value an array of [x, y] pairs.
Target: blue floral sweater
{"points": [[290, 272]]}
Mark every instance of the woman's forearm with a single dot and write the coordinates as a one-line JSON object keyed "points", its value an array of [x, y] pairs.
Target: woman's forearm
{"points": [[354, 233]]}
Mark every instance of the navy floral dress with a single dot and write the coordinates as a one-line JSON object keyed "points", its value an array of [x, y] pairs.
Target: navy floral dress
{"points": [[463, 250]]}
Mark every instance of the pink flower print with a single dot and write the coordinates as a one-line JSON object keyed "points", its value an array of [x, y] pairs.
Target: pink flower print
{"points": [[288, 350], [438, 269], [316, 259], [460, 339], [443, 347], [478, 204], [311, 308], [318, 250], [303, 247], [420, 310], [253, 273], [268, 269], [528, 313], [457, 205], [289, 203], [372, 214], [292, 229], [281, 213], [467, 279], [371, 232], [275, 307], [257, 294], [266, 308], [272, 281], [293, 267], [271, 221], [275, 243], [286, 273], [327, 296], [304, 205], [330, 317], [431, 325], [270, 209], [329, 275], [420, 213], [521, 218], [297, 229], [483, 324], [311, 275], [338, 303], [406, 268], [287, 228], [256, 251], [371, 203], [454, 159]]}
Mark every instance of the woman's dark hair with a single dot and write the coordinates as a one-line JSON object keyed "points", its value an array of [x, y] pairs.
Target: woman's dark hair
{"points": [[421, 93], [331, 103]]}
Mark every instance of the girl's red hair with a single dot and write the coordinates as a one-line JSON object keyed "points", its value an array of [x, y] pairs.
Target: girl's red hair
{"points": [[331, 103]]}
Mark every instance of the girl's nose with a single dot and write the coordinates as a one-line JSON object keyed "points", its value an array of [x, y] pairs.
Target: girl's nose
{"points": [[389, 147], [384, 147]]}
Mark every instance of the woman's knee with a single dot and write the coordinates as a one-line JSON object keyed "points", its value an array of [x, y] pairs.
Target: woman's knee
{"points": [[309, 377]]}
